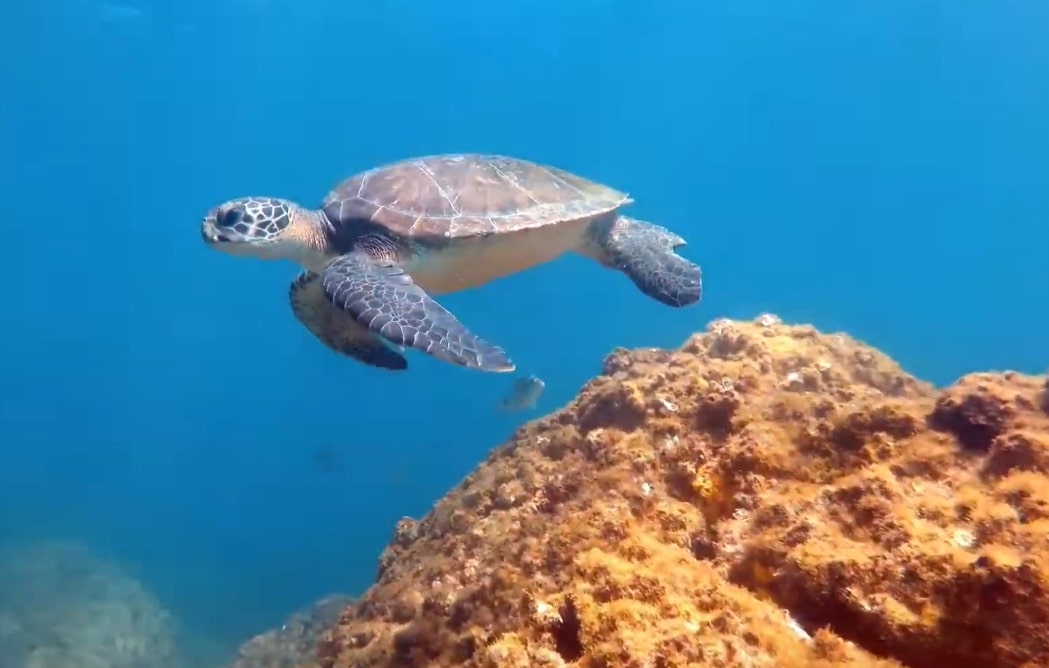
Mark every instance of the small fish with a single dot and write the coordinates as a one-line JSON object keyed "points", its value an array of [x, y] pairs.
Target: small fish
{"points": [[327, 460], [118, 12], [524, 394]]}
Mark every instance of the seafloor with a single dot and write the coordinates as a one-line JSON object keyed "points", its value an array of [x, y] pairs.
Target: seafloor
{"points": [[766, 495]]}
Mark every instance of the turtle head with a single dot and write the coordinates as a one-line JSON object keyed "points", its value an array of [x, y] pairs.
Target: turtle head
{"points": [[262, 227]]}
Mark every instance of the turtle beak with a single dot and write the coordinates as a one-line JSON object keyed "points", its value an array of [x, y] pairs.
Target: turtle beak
{"points": [[209, 234]]}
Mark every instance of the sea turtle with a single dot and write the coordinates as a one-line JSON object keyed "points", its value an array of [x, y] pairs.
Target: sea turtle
{"points": [[387, 239]]}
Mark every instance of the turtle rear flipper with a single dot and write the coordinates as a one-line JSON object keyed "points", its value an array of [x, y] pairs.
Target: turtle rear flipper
{"points": [[380, 296], [645, 253], [337, 329]]}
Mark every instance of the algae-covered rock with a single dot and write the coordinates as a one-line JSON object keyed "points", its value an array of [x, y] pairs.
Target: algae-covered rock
{"points": [[767, 495], [62, 607], [293, 644]]}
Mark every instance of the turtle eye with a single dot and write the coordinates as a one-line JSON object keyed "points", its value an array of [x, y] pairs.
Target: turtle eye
{"points": [[231, 217]]}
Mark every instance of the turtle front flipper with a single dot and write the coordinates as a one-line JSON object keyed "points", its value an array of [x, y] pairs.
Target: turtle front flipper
{"points": [[383, 298], [337, 329], [645, 253]]}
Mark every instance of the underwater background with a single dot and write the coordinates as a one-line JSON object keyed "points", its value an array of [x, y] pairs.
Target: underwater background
{"points": [[880, 168]]}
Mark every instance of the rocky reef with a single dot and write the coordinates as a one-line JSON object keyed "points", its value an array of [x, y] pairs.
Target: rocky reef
{"points": [[766, 495], [63, 607], [292, 645]]}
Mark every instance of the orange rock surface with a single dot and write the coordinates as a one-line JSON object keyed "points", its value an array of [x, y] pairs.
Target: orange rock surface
{"points": [[765, 496]]}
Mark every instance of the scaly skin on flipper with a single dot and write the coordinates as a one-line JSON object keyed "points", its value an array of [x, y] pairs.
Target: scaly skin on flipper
{"points": [[337, 329], [645, 253], [383, 298]]}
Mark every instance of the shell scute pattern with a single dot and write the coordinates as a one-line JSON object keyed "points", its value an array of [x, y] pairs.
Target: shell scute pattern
{"points": [[468, 195]]}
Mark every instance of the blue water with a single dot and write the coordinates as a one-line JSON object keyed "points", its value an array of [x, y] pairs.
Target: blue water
{"points": [[875, 167]]}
